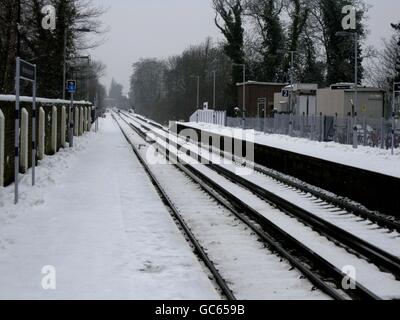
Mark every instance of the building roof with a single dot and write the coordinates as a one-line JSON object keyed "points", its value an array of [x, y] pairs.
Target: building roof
{"points": [[247, 83], [302, 86], [359, 89]]}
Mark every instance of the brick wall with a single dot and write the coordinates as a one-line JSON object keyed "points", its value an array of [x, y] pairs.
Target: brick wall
{"points": [[8, 109]]}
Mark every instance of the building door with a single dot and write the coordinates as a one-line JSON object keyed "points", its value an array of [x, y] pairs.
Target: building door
{"points": [[262, 107]]}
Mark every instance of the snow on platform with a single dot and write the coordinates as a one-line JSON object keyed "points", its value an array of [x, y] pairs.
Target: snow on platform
{"points": [[366, 158], [95, 217]]}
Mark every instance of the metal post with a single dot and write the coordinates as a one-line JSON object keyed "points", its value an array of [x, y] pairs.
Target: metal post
{"points": [[198, 92], [214, 92], [34, 132], [302, 125], [88, 81], [244, 96], [16, 130], [335, 128], [382, 133], [393, 116], [65, 63], [18, 28], [355, 131], [71, 122], [321, 128], [365, 131], [291, 93]]}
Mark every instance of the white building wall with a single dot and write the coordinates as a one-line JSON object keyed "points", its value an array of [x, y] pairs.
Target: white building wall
{"points": [[330, 102]]}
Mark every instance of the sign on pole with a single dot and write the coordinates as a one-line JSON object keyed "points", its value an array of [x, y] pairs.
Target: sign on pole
{"points": [[285, 93], [24, 71], [71, 88]]}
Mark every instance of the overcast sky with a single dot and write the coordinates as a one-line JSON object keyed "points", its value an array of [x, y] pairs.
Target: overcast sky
{"points": [[160, 28]]}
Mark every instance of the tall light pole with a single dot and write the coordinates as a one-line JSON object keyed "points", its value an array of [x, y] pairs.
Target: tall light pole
{"points": [[65, 55], [291, 83], [214, 90], [244, 88], [396, 89], [355, 129], [19, 28], [291, 92], [198, 90], [291, 80], [88, 58]]}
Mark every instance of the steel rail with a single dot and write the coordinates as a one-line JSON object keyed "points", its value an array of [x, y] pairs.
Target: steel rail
{"points": [[376, 255], [227, 292], [239, 206]]}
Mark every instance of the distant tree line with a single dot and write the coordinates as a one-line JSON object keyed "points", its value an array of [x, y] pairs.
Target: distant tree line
{"points": [[167, 89], [116, 96], [21, 33]]}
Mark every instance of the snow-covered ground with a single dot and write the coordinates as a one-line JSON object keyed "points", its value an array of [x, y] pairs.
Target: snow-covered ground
{"points": [[252, 270], [95, 217], [367, 158]]}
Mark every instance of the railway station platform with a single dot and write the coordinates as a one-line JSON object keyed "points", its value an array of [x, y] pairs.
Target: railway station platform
{"points": [[94, 228]]}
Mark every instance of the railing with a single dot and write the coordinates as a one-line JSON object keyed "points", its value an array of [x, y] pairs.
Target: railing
{"points": [[370, 132], [209, 116]]}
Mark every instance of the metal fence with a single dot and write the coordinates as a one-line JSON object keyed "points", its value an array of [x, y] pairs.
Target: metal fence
{"points": [[370, 132]]}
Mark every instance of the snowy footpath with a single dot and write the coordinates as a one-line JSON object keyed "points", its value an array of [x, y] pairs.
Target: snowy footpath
{"points": [[95, 227]]}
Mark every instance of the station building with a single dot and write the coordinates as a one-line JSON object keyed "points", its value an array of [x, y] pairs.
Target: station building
{"points": [[338, 99], [259, 97], [304, 97]]}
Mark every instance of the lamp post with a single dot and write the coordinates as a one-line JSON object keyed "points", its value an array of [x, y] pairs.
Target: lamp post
{"points": [[291, 92], [198, 91], [355, 130], [214, 89], [65, 54], [244, 89], [88, 58], [291, 79], [396, 89], [19, 29]]}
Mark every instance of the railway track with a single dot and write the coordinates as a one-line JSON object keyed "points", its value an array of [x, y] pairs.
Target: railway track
{"points": [[357, 247], [226, 291], [325, 198], [386, 257], [265, 259]]}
